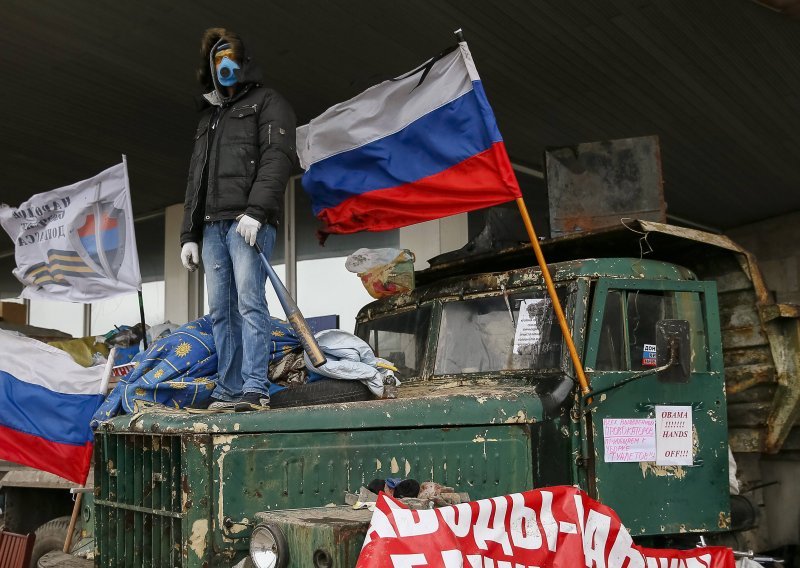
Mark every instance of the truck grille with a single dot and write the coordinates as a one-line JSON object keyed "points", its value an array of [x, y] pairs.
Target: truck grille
{"points": [[138, 509]]}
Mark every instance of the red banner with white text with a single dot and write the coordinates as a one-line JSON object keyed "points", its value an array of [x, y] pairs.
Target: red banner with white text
{"points": [[558, 527]]}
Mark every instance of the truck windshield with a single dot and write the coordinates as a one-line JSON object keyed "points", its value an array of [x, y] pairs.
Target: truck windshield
{"points": [[487, 334], [399, 338]]}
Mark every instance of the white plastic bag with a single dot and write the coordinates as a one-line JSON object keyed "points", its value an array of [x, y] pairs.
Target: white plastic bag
{"points": [[383, 272], [366, 259]]}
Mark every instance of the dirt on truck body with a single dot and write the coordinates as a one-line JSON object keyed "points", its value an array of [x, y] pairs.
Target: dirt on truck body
{"points": [[484, 412]]}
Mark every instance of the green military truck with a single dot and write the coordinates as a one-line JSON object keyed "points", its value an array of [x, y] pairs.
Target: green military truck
{"points": [[485, 412]]}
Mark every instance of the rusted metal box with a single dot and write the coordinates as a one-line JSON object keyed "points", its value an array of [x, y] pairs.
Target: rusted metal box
{"points": [[595, 184]]}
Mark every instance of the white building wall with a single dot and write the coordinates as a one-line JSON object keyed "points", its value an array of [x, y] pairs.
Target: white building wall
{"points": [[432, 238]]}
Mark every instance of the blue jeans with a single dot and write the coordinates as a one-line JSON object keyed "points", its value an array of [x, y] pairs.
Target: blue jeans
{"points": [[240, 318]]}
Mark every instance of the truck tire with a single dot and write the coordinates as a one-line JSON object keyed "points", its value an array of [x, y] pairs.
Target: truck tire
{"points": [[325, 391], [51, 536]]}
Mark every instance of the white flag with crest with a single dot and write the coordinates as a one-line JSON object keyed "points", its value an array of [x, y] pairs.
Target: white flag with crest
{"points": [[76, 243]]}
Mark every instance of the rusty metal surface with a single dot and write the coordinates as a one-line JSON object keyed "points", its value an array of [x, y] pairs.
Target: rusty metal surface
{"points": [[773, 311], [785, 410], [777, 327], [338, 531], [315, 515], [634, 238], [279, 471], [143, 502], [308, 457], [593, 185], [490, 281], [188, 498], [429, 403]]}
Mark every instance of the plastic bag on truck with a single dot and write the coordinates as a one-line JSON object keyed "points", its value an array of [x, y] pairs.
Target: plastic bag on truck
{"points": [[383, 272]]}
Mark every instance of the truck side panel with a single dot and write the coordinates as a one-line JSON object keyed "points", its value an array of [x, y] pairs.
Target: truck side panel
{"points": [[282, 471]]}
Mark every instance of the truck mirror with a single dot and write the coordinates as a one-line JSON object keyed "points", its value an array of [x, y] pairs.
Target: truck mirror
{"points": [[673, 349]]}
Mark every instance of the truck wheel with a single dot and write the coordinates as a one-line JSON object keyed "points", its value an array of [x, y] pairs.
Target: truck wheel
{"points": [[51, 536], [324, 391]]}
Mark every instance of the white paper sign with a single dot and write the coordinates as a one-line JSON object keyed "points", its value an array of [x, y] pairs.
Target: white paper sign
{"points": [[674, 435], [529, 323], [629, 439]]}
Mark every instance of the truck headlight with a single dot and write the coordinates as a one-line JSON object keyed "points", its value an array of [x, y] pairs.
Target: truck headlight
{"points": [[268, 547]]}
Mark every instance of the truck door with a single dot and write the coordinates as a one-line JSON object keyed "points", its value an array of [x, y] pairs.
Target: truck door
{"points": [[650, 496]]}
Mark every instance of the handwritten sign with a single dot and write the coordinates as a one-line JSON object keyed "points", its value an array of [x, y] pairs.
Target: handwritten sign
{"points": [[674, 435], [629, 439]]}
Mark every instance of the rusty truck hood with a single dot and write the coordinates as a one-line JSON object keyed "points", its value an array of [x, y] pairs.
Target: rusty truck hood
{"points": [[436, 403]]}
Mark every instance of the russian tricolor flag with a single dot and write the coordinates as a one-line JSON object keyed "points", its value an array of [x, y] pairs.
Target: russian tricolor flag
{"points": [[46, 403], [419, 147]]}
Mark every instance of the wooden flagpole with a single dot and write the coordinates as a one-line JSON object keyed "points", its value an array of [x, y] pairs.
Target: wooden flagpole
{"points": [[562, 320], [76, 509]]}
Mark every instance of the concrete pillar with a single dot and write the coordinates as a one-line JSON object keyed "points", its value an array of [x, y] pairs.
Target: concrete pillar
{"points": [[433, 238], [183, 290]]}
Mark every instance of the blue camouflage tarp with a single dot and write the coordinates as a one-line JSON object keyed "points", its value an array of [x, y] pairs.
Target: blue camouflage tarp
{"points": [[180, 370]]}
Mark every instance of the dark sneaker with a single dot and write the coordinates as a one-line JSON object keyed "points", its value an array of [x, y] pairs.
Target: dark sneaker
{"points": [[252, 401], [221, 405]]}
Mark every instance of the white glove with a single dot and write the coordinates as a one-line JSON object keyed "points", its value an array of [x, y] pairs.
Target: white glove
{"points": [[248, 228], [190, 256]]}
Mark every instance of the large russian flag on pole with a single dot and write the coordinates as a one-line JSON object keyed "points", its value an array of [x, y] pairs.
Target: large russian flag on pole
{"points": [[46, 403], [419, 147]]}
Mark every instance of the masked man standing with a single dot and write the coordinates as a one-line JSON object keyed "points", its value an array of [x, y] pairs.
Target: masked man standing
{"points": [[244, 151]]}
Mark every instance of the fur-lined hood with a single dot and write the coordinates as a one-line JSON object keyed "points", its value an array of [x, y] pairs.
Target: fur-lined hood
{"points": [[249, 72]]}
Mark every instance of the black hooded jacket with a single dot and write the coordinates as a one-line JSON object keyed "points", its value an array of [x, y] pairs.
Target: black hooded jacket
{"points": [[244, 147]]}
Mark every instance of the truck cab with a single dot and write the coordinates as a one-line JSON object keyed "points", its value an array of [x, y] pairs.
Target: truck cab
{"points": [[467, 333]]}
